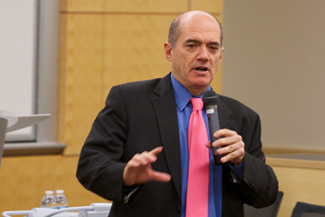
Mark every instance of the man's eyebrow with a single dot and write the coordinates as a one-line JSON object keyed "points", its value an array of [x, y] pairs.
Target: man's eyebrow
{"points": [[197, 41], [192, 41], [214, 43]]}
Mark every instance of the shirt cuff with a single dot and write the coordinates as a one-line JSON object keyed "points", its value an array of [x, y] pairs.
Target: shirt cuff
{"points": [[129, 191], [237, 172]]}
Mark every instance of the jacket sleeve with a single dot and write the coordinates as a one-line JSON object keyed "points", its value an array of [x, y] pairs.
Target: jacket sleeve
{"points": [[259, 186], [100, 166]]}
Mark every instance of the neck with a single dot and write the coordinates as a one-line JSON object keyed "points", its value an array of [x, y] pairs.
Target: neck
{"points": [[196, 92]]}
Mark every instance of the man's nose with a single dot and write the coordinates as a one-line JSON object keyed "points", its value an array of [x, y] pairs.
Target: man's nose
{"points": [[203, 54]]}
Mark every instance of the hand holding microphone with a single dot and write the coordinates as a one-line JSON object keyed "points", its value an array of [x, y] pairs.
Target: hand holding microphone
{"points": [[226, 144]]}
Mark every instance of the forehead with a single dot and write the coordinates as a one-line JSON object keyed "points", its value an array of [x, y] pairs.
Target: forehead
{"points": [[200, 27]]}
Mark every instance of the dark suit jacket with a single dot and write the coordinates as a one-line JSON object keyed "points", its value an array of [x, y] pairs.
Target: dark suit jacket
{"points": [[142, 115]]}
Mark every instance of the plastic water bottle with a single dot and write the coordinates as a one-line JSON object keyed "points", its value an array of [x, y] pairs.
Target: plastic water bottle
{"points": [[48, 200], [60, 199]]}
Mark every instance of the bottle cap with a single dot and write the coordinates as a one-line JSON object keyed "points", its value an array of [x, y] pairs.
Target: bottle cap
{"points": [[59, 191], [48, 192]]}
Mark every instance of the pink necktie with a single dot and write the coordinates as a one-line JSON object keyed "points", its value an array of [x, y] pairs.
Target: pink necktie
{"points": [[198, 172]]}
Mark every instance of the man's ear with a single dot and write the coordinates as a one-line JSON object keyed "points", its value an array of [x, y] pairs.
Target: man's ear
{"points": [[221, 55], [168, 51]]}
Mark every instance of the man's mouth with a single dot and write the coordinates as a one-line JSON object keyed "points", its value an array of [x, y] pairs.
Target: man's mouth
{"points": [[201, 68]]}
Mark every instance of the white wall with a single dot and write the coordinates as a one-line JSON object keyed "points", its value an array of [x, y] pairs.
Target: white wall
{"points": [[274, 63], [18, 59], [29, 64]]}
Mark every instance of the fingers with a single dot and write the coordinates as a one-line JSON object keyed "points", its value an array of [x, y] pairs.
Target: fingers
{"points": [[208, 144], [235, 157], [138, 170], [231, 146], [156, 151], [160, 177], [145, 157]]}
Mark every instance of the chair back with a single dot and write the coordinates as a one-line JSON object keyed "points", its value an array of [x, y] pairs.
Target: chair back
{"points": [[270, 211], [302, 209]]}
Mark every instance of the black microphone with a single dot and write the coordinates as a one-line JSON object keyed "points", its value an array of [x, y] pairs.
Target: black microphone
{"points": [[210, 99]]}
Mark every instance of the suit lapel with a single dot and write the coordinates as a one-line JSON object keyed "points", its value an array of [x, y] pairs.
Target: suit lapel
{"points": [[165, 108], [226, 116]]}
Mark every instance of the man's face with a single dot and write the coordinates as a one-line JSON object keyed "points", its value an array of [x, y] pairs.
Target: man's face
{"points": [[197, 53]]}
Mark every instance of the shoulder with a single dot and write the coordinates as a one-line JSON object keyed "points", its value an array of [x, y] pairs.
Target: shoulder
{"points": [[133, 90], [238, 108], [152, 87], [136, 86], [141, 91]]}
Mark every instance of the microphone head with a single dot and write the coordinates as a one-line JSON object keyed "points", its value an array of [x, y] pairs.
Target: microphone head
{"points": [[210, 98]]}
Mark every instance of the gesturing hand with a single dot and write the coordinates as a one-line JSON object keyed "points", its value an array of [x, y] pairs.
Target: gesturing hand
{"points": [[138, 170]]}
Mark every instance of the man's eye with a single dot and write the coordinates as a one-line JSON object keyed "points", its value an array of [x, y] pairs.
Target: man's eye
{"points": [[191, 45], [214, 48]]}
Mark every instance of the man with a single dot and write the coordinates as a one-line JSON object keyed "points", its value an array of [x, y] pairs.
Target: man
{"points": [[137, 155]]}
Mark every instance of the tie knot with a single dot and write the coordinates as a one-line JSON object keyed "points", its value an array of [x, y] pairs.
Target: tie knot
{"points": [[197, 104]]}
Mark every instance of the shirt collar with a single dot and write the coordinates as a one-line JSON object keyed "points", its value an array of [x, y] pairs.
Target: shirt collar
{"points": [[182, 95]]}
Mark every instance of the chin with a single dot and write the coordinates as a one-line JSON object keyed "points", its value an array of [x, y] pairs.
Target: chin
{"points": [[202, 82]]}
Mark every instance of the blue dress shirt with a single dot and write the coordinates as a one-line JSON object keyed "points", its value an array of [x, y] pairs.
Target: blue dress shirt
{"points": [[184, 110]]}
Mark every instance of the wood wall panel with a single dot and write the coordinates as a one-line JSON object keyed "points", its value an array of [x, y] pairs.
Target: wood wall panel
{"points": [[134, 47], [23, 181], [80, 77], [216, 83], [146, 6], [211, 6], [81, 5], [269, 150], [105, 43], [300, 180]]}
